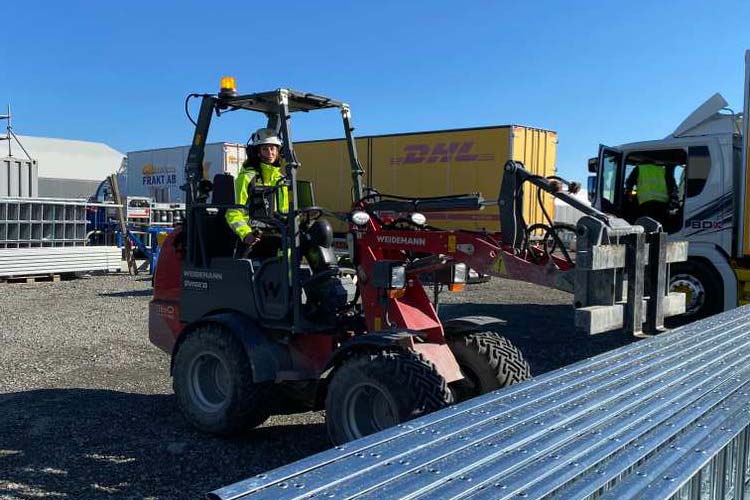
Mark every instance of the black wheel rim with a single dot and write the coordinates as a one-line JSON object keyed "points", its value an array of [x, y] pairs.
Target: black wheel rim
{"points": [[369, 408], [209, 382]]}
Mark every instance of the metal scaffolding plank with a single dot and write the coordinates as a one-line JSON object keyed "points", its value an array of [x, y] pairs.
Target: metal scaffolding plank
{"points": [[32, 261], [575, 432]]}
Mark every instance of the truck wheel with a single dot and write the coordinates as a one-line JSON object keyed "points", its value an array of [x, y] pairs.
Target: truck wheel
{"points": [[214, 386], [372, 392], [703, 289], [488, 362]]}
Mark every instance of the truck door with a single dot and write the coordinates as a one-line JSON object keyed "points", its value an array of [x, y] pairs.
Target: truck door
{"points": [[610, 175]]}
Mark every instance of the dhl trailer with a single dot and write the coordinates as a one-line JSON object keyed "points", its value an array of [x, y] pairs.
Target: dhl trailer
{"points": [[433, 163]]}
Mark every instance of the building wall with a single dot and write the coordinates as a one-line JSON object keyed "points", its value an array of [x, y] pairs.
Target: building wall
{"points": [[67, 188]]}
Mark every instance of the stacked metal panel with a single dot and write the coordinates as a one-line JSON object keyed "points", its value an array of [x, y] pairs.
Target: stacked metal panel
{"points": [[39, 261], [667, 417], [18, 177], [42, 222]]}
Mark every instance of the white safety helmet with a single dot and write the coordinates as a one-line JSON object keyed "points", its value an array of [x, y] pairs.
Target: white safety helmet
{"points": [[265, 136]]}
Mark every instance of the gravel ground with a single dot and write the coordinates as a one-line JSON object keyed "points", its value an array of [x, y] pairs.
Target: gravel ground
{"points": [[87, 410]]}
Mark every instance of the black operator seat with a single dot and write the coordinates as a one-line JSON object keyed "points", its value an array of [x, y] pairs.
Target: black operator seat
{"points": [[222, 240], [319, 246]]}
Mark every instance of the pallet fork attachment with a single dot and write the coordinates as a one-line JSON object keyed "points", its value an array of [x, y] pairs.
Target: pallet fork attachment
{"points": [[620, 274]]}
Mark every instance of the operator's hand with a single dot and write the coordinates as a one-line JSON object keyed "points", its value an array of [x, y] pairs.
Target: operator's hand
{"points": [[251, 239]]}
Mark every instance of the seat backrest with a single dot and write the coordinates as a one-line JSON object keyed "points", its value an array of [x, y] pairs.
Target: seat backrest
{"points": [[317, 246], [221, 240], [223, 189]]}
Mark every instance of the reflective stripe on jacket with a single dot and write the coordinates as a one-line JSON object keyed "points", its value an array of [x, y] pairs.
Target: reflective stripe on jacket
{"points": [[237, 218]]}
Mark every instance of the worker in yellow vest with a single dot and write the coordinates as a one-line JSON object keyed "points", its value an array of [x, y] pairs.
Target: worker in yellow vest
{"points": [[261, 168], [655, 189]]}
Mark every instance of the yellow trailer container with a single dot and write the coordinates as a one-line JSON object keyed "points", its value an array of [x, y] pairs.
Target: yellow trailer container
{"points": [[433, 164]]}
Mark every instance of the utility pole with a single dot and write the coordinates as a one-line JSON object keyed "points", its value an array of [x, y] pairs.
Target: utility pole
{"points": [[10, 135]]}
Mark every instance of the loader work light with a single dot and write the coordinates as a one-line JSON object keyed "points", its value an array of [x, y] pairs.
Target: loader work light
{"points": [[360, 218], [228, 87], [418, 219]]}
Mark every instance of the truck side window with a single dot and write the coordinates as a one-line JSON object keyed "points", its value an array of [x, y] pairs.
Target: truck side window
{"points": [[699, 166], [610, 163]]}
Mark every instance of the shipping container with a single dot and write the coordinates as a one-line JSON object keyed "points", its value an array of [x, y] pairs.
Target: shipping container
{"points": [[158, 173], [19, 177], [434, 163]]}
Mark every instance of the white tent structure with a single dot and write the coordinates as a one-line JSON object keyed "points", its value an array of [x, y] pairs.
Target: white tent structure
{"points": [[69, 168]]}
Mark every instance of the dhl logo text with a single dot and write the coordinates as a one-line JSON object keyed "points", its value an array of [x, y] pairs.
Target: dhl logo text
{"points": [[441, 152]]}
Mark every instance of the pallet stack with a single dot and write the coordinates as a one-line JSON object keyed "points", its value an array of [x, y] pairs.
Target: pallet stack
{"points": [[47, 237], [42, 222]]}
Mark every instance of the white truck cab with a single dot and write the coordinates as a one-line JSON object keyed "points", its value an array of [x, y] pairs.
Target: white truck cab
{"points": [[703, 167]]}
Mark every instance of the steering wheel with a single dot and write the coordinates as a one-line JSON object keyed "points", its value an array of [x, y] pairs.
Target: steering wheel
{"points": [[311, 213]]}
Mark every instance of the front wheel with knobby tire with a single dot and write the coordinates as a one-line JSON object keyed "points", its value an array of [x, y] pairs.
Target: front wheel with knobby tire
{"points": [[488, 361], [214, 386], [373, 391]]}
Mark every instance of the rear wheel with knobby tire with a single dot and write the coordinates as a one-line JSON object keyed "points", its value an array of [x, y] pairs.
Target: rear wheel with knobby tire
{"points": [[213, 382], [488, 362]]}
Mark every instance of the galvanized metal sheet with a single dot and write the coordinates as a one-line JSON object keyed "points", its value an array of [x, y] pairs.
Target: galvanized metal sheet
{"points": [[572, 433], [35, 261]]}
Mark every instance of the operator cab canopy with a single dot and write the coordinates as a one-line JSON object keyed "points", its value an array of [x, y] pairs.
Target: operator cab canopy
{"points": [[268, 102]]}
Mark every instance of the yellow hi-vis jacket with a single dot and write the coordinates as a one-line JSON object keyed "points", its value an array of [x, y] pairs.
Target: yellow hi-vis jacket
{"points": [[238, 218], [652, 185]]}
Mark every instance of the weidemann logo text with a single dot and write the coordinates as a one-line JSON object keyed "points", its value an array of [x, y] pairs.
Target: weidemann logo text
{"points": [[402, 240]]}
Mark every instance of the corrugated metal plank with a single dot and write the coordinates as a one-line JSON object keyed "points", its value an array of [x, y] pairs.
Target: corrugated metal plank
{"points": [[30, 261], [592, 420]]}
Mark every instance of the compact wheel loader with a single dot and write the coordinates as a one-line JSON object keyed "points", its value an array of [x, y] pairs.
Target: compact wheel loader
{"points": [[253, 336]]}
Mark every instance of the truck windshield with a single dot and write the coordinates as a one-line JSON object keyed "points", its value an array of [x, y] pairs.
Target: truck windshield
{"points": [[654, 186]]}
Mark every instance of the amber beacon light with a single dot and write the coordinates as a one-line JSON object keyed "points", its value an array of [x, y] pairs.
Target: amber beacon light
{"points": [[228, 87]]}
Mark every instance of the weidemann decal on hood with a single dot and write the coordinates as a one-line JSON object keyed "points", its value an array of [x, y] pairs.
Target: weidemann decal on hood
{"points": [[402, 240]]}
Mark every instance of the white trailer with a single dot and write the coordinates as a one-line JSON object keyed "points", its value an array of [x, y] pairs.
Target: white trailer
{"points": [[158, 173]]}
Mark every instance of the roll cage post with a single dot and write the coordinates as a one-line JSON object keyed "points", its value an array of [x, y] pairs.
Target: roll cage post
{"points": [[356, 167], [196, 190], [292, 164]]}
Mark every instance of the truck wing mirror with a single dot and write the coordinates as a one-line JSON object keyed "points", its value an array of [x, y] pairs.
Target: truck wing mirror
{"points": [[591, 187], [593, 165]]}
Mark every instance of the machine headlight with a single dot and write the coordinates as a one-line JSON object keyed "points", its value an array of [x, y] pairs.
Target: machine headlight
{"points": [[360, 218], [459, 273], [398, 277], [389, 274], [418, 219]]}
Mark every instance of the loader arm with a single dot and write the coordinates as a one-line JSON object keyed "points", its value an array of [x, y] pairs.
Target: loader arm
{"points": [[607, 278], [435, 252]]}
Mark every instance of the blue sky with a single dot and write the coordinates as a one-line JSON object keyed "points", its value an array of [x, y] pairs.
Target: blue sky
{"points": [[594, 71]]}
